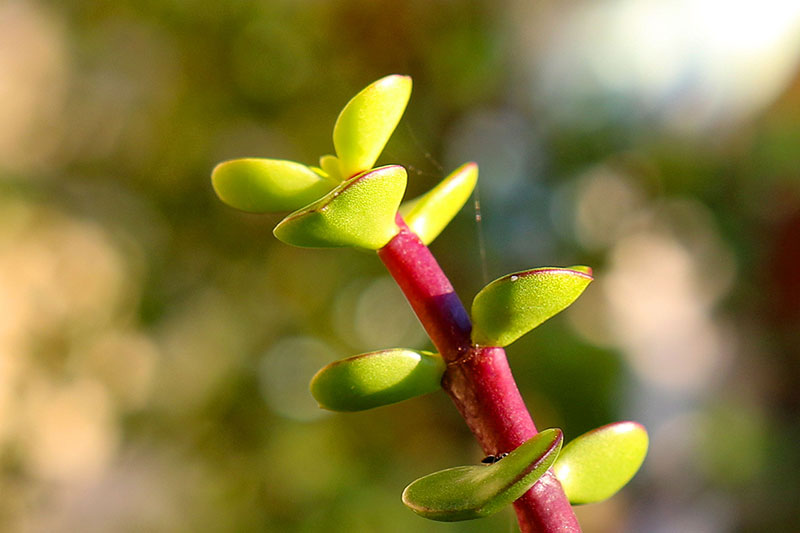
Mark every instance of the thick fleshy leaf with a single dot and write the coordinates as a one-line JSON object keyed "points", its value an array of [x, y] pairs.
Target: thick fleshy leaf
{"points": [[360, 212], [377, 378], [267, 185], [367, 121], [511, 306], [599, 463], [429, 214], [467, 492]]}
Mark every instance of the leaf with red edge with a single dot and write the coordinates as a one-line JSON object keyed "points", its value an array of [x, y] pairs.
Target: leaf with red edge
{"points": [[468, 492], [511, 306], [359, 213]]}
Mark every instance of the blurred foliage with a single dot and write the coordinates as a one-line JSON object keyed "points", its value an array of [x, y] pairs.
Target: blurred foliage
{"points": [[156, 346]]}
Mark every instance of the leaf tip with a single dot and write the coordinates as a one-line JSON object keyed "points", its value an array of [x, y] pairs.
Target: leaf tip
{"points": [[583, 269]]}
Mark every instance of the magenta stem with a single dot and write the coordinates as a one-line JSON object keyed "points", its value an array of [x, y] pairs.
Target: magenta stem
{"points": [[478, 379]]}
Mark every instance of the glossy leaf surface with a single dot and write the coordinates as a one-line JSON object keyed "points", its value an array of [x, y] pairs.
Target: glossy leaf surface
{"points": [[377, 378], [596, 465], [467, 492], [267, 185], [511, 306], [360, 212], [429, 214], [367, 121]]}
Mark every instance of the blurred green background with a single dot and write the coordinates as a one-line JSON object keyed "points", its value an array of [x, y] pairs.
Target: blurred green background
{"points": [[155, 345]]}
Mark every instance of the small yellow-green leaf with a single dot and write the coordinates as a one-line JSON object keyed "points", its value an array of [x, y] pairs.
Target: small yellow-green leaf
{"points": [[266, 185], [599, 463], [360, 212], [330, 165], [467, 492], [430, 213], [377, 378], [367, 121], [511, 306]]}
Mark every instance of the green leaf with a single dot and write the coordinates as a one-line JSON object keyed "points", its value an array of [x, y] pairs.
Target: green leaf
{"points": [[377, 378], [360, 212], [330, 165], [429, 214], [599, 463], [467, 492], [511, 306], [266, 185], [367, 121]]}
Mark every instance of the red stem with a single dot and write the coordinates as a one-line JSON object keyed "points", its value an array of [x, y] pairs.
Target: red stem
{"points": [[478, 379]]}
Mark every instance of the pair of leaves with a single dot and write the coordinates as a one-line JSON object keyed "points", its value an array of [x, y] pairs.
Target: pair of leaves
{"points": [[503, 311], [361, 211], [591, 468], [361, 131], [343, 202]]}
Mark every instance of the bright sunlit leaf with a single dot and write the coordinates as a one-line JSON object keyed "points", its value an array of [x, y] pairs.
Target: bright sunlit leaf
{"points": [[367, 121], [360, 213], [330, 165], [511, 306], [267, 185], [377, 378], [429, 214], [596, 465], [467, 492]]}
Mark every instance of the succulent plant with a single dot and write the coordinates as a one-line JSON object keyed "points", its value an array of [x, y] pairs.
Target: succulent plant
{"points": [[345, 202]]}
